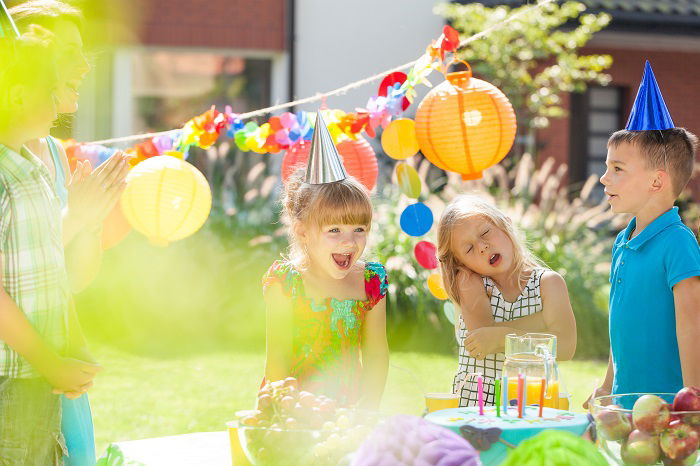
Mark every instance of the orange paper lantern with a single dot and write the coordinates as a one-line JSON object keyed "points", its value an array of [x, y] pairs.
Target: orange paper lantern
{"points": [[465, 125], [359, 160]]}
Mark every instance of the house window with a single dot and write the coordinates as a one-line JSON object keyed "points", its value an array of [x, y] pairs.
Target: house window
{"points": [[595, 115], [171, 86]]}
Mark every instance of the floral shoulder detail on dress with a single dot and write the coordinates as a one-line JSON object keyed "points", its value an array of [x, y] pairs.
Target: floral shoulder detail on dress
{"points": [[285, 274], [376, 282]]}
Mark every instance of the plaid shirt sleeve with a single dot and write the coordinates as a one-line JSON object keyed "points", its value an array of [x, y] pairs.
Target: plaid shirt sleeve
{"points": [[5, 218]]}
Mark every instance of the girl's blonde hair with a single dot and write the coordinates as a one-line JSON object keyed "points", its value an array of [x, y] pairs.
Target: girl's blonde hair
{"points": [[468, 206], [345, 202]]}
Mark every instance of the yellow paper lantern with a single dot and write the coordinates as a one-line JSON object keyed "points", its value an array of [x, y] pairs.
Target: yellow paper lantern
{"points": [[436, 286], [166, 199], [399, 139], [465, 125]]}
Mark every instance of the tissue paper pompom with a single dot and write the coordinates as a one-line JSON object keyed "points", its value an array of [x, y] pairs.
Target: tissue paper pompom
{"points": [[559, 448], [413, 440]]}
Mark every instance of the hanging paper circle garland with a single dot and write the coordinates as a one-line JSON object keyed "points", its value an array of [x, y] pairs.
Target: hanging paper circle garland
{"points": [[114, 228], [426, 254], [416, 219], [399, 139], [408, 179], [449, 309], [436, 286], [465, 125], [359, 160], [166, 199]]}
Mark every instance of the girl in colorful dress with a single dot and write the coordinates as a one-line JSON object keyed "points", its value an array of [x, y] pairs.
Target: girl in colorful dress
{"points": [[499, 287], [325, 307]]}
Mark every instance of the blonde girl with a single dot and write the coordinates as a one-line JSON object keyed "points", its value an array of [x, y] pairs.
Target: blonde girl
{"points": [[499, 287]]}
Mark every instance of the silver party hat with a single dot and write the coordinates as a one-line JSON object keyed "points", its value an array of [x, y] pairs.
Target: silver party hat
{"points": [[325, 165]]}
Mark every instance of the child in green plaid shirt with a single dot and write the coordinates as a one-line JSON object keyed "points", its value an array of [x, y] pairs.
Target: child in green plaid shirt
{"points": [[34, 292]]}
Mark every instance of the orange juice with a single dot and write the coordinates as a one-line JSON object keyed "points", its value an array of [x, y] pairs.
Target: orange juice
{"points": [[533, 387], [438, 401]]}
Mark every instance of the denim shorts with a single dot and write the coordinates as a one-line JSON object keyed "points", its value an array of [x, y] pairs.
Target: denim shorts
{"points": [[30, 423]]}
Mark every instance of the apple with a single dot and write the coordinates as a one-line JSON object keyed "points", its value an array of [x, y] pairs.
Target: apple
{"points": [[689, 461], [641, 448], [688, 399], [679, 441], [612, 424], [651, 414]]}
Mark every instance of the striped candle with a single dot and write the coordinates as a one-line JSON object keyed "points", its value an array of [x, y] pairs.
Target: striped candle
{"points": [[520, 395], [542, 396], [480, 393], [524, 395], [497, 397]]}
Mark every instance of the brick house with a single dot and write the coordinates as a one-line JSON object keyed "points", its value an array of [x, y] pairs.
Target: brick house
{"points": [[667, 33]]}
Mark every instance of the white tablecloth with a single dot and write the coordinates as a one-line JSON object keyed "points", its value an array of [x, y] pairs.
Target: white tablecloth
{"points": [[199, 449]]}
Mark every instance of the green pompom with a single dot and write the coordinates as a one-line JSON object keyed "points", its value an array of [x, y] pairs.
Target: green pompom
{"points": [[555, 448]]}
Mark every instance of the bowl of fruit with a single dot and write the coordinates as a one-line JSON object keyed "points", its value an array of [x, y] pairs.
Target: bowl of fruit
{"points": [[649, 428], [297, 427]]}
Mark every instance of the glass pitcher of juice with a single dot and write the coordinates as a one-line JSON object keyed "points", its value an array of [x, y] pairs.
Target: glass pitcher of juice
{"points": [[534, 356]]}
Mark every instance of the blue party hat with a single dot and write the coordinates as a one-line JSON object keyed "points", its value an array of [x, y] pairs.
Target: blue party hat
{"points": [[649, 110], [7, 25]]}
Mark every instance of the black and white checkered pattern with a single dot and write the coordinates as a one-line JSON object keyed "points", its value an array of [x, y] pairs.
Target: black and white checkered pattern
{"points": [[529, 302]]}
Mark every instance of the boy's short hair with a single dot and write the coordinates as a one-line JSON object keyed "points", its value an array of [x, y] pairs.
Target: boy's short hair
{"points": [[27, 60], [672, 150]]}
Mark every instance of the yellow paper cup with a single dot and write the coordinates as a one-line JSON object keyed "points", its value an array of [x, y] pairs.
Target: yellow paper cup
{"points": [[563, 401], [438, 401], [238, 457]]}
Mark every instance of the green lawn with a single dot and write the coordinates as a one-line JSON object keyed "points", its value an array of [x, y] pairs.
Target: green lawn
{"points": [[139, 397]]}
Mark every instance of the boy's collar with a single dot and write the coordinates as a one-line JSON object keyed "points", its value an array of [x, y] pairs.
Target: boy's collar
{"points": [[664, 220]]}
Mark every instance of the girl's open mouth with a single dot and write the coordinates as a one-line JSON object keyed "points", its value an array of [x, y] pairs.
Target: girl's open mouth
{"points": [[495, 259], [342, 260]]}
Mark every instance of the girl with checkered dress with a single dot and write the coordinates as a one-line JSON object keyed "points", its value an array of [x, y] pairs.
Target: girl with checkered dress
{"points": [[499, 287]]}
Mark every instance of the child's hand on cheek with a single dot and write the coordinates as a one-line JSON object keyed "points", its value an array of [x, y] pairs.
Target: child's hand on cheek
{"points": [[485, 340]]}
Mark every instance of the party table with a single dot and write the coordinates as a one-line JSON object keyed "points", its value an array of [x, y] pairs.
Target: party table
{"points": [[198, 449]]}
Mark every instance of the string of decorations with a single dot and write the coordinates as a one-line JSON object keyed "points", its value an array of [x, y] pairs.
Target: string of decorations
{"points": [[464, 125], [396, 91]]}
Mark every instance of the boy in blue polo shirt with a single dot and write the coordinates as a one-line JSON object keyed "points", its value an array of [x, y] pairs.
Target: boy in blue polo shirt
{"points": [[655, 274]]}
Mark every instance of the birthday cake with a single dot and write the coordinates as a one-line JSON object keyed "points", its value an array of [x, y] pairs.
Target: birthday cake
{"points": [[494, 436]]}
